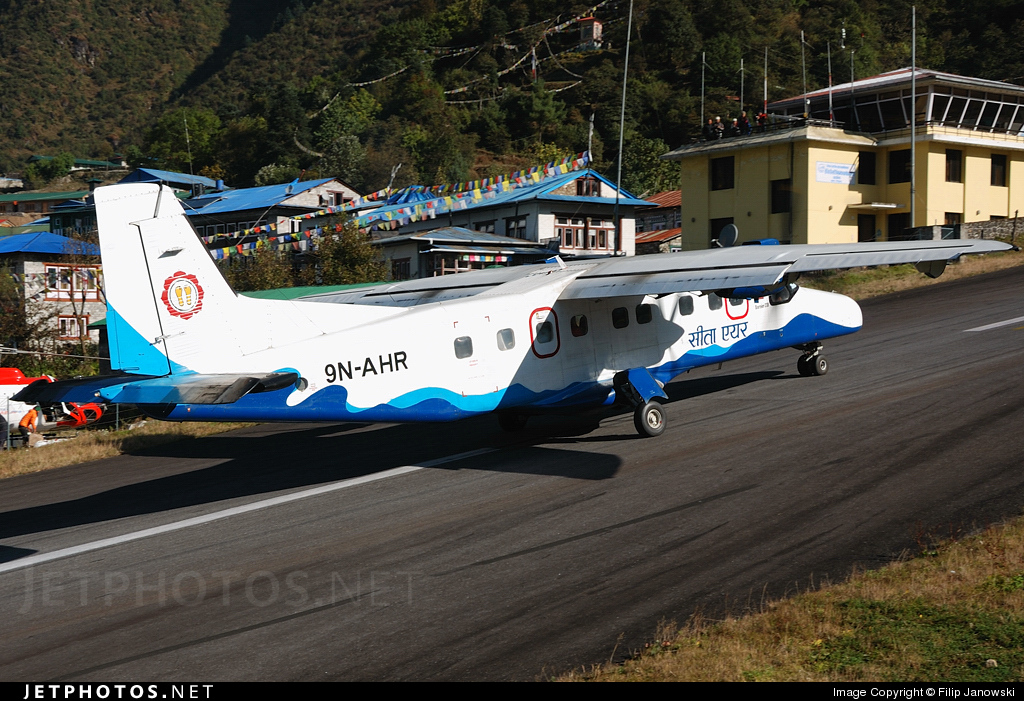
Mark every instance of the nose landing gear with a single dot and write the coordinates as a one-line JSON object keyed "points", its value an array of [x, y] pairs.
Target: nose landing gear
{"points": [[812, 362]]}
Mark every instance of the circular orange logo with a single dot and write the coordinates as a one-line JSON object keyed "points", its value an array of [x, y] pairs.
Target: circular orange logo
{"points": [[183, 295]]}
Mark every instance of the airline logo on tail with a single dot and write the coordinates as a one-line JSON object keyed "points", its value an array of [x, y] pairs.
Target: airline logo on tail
{"points": [[183, 295]]}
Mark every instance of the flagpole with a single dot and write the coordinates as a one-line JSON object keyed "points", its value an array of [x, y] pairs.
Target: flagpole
{"points": [[622, 127]]}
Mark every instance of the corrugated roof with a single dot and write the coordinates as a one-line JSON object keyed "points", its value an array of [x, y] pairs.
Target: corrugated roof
{"points": [[152, 175], [460, 235], [43, 196], [539, 191], [45, 242], [248, 198], [668, 198], [658, 236]]}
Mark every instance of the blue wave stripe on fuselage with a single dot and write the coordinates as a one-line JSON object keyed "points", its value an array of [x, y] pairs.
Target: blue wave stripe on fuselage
{"points": [[437, 404]]}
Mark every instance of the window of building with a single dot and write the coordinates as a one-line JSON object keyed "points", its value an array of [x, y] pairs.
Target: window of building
{"points": [[515, 227], [338, 199], [400, 269], [953, 218], [954, 166], [620, 317], [782, 196], [579, 325], [506, 339], [899, 166], [72, 327], [485, 226], [898, 224], [866, 168], [714, 302], [722, 173], [716, 227], [463, 347], [63, 281], [588, 187], [998, 170], [686, 305], [644, 313], [570, 230]]}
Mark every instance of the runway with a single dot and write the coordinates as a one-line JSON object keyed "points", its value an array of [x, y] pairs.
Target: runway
{"points": [[458, 552]]}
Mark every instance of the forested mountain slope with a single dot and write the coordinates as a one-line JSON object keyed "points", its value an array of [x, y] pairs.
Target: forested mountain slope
{"points": [[270, 89]]}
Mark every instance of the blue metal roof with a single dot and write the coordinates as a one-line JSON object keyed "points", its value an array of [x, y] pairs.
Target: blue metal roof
{"points": [[45, 242], [539, 191], [461, 235], [152, 175], [247, 198]]}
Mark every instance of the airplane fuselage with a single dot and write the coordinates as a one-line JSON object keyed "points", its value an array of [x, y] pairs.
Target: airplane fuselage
{"points": [[449, 360]]}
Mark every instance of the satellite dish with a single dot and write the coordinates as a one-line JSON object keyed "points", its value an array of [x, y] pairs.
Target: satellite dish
{"points": [[728, 235]]}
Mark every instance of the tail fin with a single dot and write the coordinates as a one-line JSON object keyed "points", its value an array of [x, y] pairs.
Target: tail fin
{"points": [[166, 299]]}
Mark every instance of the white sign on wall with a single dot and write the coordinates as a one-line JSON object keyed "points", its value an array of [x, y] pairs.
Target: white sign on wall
{"points": [[837, 173]]}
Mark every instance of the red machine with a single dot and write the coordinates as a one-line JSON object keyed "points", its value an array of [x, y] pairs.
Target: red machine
{"points": [[67, 415]]}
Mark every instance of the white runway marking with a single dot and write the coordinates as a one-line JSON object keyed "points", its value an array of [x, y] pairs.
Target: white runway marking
{"points": [[234, 511], [996, 325]]}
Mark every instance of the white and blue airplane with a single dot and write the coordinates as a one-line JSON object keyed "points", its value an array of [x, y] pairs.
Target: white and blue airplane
{"points": [[516, 341]]}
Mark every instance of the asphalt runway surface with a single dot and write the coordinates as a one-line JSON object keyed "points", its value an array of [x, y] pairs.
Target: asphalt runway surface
{"points": [[404, 552]]}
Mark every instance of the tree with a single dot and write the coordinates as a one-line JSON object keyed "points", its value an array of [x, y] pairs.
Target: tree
{"points": [[168, 143], [345, 257], [267, 269], [42, 172]]}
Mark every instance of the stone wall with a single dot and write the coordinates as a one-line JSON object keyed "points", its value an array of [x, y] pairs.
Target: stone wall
{"points": [[994, 228]]}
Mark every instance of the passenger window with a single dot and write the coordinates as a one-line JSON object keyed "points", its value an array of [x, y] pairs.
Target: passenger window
{"points": [[620, 317], [686, 305], [545, 332], [463, 347], [643, 314], [714, 301], [506, 340], [736, 301], [578, 325]]}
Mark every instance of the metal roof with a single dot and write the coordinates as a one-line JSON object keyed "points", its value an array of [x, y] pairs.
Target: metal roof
{"points": [[538, 191], [249, 198], [152, 175], [459, 235], [45, 242], [668, 198], [491, 251], [43, 196], [658, 236], [901, 77]]}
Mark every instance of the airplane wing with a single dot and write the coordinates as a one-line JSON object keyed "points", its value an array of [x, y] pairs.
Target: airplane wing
{"points": [[687, 271], [171, 389]]}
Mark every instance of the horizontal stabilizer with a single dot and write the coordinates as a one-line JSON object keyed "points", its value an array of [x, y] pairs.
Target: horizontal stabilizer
{"points": [[80, 390], [197, 389]]}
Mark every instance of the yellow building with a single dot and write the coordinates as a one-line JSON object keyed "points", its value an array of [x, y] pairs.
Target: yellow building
{"points": [[842, 173]]}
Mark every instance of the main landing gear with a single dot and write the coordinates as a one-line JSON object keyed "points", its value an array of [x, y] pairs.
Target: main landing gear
{"points": [[812, 362], [641, 391]]}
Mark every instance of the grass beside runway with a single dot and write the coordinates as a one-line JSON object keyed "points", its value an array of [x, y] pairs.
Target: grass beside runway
{"points": [[96, 445], [862, 283], [954, 613]]}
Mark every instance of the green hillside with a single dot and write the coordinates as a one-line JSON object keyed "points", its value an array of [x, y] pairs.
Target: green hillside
{"points": [[270, 89]]}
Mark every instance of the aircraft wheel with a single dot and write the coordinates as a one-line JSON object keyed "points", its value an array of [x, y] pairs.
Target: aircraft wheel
{"points": [[650, 419], [511, 422], [803, 366], [818, 364]]}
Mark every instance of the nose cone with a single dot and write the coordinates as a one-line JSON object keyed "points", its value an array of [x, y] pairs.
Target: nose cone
{"points": [[846, 312]]}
